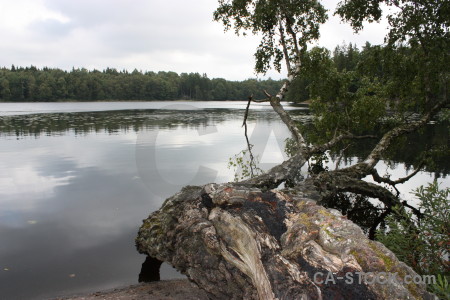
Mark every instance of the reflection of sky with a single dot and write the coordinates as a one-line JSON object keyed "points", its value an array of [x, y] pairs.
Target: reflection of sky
{"points": [[405, 189], [7, 109], [72, 204], [397, 171], [69, 205]]}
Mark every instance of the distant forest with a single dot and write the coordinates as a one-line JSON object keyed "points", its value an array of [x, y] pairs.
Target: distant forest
{"points": [[33, 84], [18, 84]]}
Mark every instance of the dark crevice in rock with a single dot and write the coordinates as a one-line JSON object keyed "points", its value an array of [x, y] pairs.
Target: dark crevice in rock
{"points": [[207, 201], [242, 243], [333, 287], [150, 270], [270, 209]]}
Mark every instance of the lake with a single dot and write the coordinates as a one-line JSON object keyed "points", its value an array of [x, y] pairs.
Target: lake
{"points": [[77, 179]]}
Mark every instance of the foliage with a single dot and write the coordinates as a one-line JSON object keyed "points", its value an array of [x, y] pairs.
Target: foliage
{"points": [[417, 55], [293, 23], [444, 116], [245, 165], [317, 163], [290, 147], [422, 243], [351, 90], [441, 288], [343, 101], [32, 84], [355, 92]]}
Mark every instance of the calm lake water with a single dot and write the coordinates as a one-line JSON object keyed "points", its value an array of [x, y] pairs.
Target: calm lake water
{"points": [[76, 180]]}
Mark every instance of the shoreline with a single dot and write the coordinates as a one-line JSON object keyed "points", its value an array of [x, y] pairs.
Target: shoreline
{"points": [[177, 289]]}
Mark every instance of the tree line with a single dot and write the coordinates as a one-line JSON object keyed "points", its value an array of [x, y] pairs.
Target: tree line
{"points": [[19, 84], [48, 84], [325, 75]]}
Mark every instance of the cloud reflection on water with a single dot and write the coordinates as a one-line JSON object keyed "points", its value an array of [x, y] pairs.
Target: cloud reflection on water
{"points": [[73, 194]]}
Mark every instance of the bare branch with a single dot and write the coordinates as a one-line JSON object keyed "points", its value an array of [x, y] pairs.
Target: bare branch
{"points": [[246, 112], [404, 179], [393, 183], [322, 148], [343, 181], [249, 146], [287, 169], [380, 179], [341, 154], [278, 174], [286, 118]]}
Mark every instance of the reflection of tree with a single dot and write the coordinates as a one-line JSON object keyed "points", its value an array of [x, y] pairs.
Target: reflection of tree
{"points": [[406, 150], [107, 121], [430, 144], [357, 208]]}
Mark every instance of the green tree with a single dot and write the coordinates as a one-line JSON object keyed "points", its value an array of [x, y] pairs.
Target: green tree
{"points": [[286, 27], [354, 93], [5, 92], [45, 92], [423, 242]]}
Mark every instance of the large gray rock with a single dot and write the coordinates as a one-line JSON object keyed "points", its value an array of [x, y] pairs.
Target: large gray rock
{"points": [[242, 243]]}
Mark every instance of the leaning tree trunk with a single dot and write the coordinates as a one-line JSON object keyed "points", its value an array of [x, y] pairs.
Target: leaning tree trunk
{"points": [[238, 242]]}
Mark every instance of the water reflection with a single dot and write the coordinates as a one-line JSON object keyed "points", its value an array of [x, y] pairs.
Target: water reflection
{"points": [[74, 187], [430, 142], [21, 108], [72, 194], [113, 122]]}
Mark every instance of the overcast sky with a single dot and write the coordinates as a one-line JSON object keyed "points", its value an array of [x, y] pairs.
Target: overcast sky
{"points": [[149, 35]]}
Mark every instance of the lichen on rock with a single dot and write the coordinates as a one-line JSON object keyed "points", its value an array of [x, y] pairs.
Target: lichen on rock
{"points": [[238, 242]]}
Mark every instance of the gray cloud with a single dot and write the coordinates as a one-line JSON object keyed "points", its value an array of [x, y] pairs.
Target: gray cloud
{"points": [[51, 29], [169, 35]]}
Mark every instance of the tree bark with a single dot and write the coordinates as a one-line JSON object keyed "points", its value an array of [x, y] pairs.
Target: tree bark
{"points": [[248, 241], [238, 242]]}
